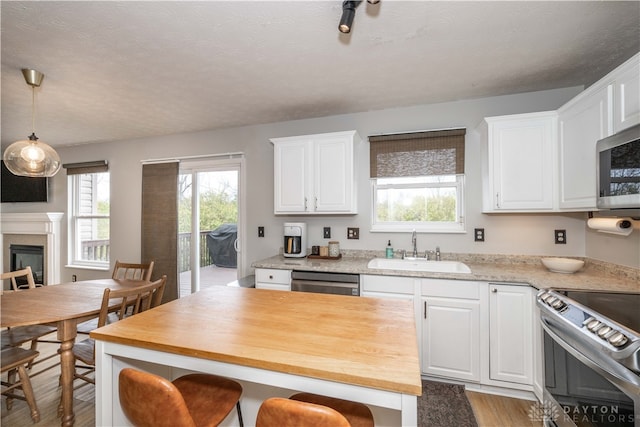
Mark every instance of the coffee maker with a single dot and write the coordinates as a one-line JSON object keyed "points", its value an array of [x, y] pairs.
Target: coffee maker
{"points": [[295, 239]]}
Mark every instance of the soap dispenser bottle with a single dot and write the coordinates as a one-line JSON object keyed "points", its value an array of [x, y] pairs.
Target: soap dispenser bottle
{"points": [[389, 253]]}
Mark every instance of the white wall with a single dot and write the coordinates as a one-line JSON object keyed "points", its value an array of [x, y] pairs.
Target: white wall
{"points": [[505, 234]]}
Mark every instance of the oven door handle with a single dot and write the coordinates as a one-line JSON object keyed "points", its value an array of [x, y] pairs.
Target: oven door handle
{"points": [[629, 385]]}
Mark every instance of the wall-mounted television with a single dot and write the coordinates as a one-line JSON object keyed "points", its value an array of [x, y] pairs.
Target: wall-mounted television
{"points": [[15, 188]]}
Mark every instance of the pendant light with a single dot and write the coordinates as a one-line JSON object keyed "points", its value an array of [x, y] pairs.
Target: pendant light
{"points": [[30, 157]]}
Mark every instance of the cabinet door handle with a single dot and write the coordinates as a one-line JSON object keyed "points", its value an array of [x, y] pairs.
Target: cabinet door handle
{"points": [[425, 309], [315, 207], [305, 204], [494, 290], [270, 277], [498, 200]]}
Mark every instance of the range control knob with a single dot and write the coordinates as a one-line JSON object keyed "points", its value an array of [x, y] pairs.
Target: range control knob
{"points": [[604, 331], [594, 325], [617, 339], [545, 297]]}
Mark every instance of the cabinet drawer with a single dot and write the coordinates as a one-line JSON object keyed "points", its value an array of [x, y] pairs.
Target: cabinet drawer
{"points": [[270, 275], [391, 284], [451, 289]]}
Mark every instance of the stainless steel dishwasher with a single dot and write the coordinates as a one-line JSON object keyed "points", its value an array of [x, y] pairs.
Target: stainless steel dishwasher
{"points": [[325, 283]]}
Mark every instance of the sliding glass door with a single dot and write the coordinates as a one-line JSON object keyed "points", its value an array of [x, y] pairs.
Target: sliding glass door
{"points": [[208, 224]]}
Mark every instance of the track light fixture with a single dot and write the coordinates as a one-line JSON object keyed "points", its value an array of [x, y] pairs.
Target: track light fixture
{"points": [[348, 13]]}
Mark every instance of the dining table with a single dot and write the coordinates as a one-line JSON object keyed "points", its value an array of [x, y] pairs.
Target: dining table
{"points": [[64, 306]]}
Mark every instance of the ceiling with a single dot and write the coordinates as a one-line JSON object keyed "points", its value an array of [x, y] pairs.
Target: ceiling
{"points": [[124, 70]]}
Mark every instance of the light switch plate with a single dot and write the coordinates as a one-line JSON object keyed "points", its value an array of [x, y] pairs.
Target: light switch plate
{"points": [[260, 231]]}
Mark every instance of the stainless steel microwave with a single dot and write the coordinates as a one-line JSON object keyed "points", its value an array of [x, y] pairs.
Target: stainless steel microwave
{"points": [[618, 171]]}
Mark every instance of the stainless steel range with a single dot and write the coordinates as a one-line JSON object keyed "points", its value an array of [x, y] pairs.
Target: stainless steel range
{"points": [[591, 357]]}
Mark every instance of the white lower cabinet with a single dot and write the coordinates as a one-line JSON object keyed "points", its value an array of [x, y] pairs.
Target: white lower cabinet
{"points": [[451, 338], [511, 350], [271, 278], [475, 332], [387, 287]]}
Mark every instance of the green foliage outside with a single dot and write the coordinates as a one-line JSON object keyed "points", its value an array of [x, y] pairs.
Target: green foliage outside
{"points": [[421, 209], [216, 207], [103, 224]]}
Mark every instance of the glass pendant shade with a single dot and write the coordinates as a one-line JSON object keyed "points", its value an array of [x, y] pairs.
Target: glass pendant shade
{"points": [[29, 157]]}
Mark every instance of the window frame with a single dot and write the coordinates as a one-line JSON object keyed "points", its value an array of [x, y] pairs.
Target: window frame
{"points": [[420, 226], [74, 251]]}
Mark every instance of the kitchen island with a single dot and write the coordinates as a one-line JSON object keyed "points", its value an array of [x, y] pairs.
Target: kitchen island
{"points": [[275, 344]]}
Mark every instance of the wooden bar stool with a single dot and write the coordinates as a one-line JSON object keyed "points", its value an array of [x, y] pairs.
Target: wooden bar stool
{"points": [[14, 359], [358, 414], [192, 400], [281, 412]]}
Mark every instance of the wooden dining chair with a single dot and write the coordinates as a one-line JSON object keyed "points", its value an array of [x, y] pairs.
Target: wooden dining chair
{"points": [[17, 336], [358, 414], [281, 412], [122, 270], [13, 277], [137, 299], [14, 360], [149, 400]]}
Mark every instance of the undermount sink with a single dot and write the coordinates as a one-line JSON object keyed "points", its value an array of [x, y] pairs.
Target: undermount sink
{"points": [[419, 264]]}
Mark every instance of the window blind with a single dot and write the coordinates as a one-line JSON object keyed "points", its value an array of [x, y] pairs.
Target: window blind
{"points": [[439, 152], [86, 167]]}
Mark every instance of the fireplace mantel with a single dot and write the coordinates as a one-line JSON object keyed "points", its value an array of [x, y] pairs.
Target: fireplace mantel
{"points": [[47, 224]]}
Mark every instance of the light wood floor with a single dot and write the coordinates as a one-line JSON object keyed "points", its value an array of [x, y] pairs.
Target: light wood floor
{"points": [[490, 410], [497, 411]]}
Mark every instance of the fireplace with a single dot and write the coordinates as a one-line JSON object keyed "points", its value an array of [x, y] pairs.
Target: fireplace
{"points": [[34, 229], [28, 255]]}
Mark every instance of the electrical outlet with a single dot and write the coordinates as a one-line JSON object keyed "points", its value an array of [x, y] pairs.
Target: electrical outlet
{"points": [[561, 237], [326, 232], [478, 234], [353, 233], [74, 278], [260, 231]]}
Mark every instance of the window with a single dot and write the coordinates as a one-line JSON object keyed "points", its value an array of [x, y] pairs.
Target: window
{"points": [[89, 208], [417, 181]]}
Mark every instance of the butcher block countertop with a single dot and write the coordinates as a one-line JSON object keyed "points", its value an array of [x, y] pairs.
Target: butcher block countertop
{"points": [[368, 342], [595, 275]]}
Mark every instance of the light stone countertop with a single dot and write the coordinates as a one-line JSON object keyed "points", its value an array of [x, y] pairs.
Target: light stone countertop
{"points": [[595, 275]]}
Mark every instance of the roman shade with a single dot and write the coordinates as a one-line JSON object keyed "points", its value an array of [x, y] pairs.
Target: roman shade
{"points": [[86, 167], [439, 152]]}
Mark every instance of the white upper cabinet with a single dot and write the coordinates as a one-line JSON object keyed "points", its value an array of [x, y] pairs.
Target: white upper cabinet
{"points": [[315, 174], [582, 122], [626, 94], [608, 106], [518, 162]]}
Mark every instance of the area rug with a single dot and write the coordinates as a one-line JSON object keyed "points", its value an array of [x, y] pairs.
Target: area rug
{"points": [[444, 405]]}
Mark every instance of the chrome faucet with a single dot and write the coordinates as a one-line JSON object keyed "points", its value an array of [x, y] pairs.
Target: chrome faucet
{"points": [[437, 253], [414, 243]]}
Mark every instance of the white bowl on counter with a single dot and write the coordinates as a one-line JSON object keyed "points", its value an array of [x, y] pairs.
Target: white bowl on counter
{"points": [[562, 265]]}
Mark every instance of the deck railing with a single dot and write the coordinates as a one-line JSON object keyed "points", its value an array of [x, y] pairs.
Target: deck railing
{"points": [[95, 250], [98, 250], [184, 251]]}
